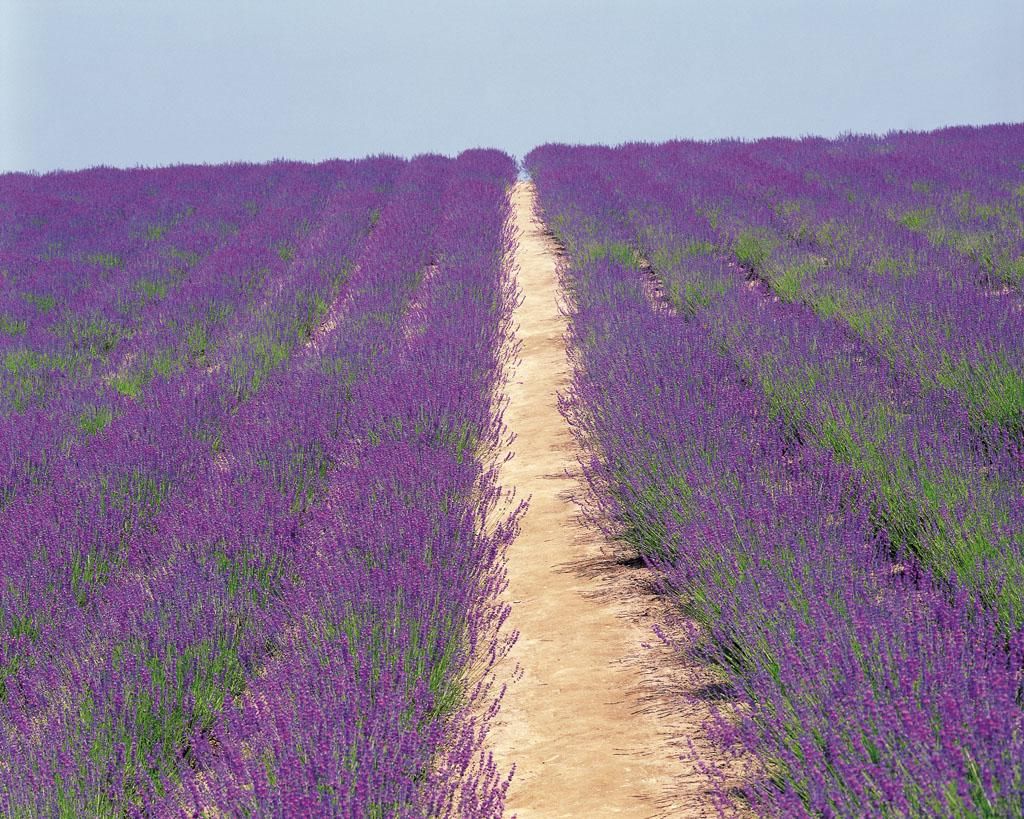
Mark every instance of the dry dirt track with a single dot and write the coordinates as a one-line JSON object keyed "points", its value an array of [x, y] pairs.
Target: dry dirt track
{"points": [[595, 724]]}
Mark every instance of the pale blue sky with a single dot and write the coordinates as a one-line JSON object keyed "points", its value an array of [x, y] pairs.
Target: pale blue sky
{"points": [[124, 83]]}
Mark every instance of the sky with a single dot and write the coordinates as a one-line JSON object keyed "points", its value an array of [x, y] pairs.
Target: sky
{"points": [[141, 82]]}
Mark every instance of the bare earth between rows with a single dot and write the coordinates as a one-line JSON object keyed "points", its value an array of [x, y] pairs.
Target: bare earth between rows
{"points": [[598, 712]]}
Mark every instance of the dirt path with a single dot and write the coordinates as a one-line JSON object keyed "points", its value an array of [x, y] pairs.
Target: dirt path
{"points": [[599, 717]]}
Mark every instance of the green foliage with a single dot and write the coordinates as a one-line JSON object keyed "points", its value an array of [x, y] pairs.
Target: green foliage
{"points": [[23, 360], [304, 475], [753, 248], [251, 282], [312, 310], [461, 439], [139, 497], [833, 236], [895, 268], [435, 647], [430, 651], [250, 574], [90, 571], [789, 282], [11, 326], [44, 303], [791, 394], [187, 257], [829, 302], [217, 312], [992, 388], [95, 335], [987, 213], [94, 420], [249, 369], [197, 339], [24, 382], [132, 382], [979, 245], [874, 323], [788, 208], [343, 369], [1010, 269], [129, 384], [162, 363], [184, 690], [28, 373], [913, 501], [13, 626], [647, 512], [108, 261], [917, 220], [699, 247], [618, 252], [664, 260], [712, 214], [151, 290], [690, 296]]}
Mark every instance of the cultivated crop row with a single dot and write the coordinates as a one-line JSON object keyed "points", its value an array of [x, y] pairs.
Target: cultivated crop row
{"points": [[847, 532], [255, 583]]}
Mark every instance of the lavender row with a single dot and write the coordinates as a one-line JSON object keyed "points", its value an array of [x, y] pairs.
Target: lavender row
{"points": [[174, 331], [199, 325], [183, 433], [69, 303], [66, 234], [960, 188], [920, 305], [233, 544], [946, 497], [206, 500], [63, 544], [396, 594], [853, 686]]}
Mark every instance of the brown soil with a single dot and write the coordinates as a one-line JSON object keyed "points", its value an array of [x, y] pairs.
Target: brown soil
{"points": [[598, 711]]}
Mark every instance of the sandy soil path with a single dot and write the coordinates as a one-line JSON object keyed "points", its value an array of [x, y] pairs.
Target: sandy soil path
{"points": [[596, 714]]}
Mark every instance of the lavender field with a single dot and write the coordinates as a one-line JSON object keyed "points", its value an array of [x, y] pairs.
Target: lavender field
{"points": [[246, 411], [800, 381], [255, 531]]}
